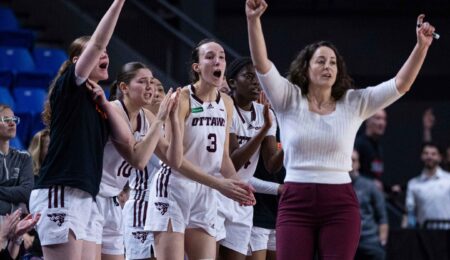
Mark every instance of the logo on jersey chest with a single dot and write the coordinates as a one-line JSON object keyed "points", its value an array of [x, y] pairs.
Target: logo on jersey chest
{"points": [[208, 121], [197, 110], [250, 127]]}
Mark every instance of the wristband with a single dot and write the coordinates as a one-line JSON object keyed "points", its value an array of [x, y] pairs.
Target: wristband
{"points": [[18, 241]]}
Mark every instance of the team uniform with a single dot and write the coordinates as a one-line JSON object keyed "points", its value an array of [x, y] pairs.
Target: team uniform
{"points": [[234, 222], [175, 198], [263, 235], [106, 226], [138, 242], [71, 173]]}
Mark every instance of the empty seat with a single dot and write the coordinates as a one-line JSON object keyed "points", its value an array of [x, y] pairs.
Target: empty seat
{"points": [[15, 59], [6, 98], [23, 130], [17, 38], [32, 79], [29, 99], [48, 59], [8, 20], [16, 143], [6, 78]]}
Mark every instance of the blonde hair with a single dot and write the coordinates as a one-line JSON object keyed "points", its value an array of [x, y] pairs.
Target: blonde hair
{"points": [[36, 147]]}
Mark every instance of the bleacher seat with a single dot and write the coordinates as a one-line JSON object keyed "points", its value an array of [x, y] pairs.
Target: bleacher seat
{"points": [[32, 79], [17, 143], [29, 105], [29, 99], [6, 98], [48, 59], [15, 59], [6, 78], [17, 38], [8, 20], [37, 125], [23, 130]]}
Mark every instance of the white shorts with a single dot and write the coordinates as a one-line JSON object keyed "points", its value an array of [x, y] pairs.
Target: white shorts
{"points": [[234, 224], [106, 226], [62, 209], [187, 204], [138, 242], [262, 239]]}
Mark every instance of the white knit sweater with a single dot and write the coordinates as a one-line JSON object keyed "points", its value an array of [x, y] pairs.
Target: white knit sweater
{"points": [[318, 148]]}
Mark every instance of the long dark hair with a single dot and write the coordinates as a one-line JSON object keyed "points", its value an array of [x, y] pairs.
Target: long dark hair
{"points": [[75, 49], [195, 58], [126, 74], [298, 71]]}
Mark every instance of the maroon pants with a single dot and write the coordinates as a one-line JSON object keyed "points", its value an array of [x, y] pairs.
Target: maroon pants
{"points": [[318, 218]]}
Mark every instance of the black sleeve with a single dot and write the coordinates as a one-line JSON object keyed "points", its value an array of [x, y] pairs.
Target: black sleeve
{"points": [[4, 254]]}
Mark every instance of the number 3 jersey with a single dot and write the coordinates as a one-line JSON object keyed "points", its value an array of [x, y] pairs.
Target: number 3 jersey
{"points": [[245, 125], [116, 170], [204, 133]]}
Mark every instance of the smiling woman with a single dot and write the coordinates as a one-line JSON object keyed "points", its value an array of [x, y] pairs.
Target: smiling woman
{"points": [[318, 210]]}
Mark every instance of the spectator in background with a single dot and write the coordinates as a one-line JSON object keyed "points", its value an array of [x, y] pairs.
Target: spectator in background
{"points": [[38, 149], [428, 122], [16, 175], [369, 147], [157, 97], [446, 160], [374, 226], [428, 195]]}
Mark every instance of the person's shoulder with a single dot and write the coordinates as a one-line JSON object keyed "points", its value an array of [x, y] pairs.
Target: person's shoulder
{"points": [[69, 72], [226, 98], [361, 140], [24, 154], [414, 180], [352, 97]]}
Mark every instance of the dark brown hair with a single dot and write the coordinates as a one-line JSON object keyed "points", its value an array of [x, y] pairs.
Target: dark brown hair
{"points": [[298, 71], [195, 58], [126, 74], [75, 50]]}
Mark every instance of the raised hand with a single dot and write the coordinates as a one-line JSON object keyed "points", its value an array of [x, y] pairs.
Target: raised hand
{"points": [[255, 8], [165, 106], [263, 99], [174, 99], [267, 117], [424, 32]]}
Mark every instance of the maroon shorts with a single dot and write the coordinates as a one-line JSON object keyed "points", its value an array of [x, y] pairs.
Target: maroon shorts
{"points": [[318, 218]]}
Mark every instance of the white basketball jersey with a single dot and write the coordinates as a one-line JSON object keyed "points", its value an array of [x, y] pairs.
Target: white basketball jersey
{"points": [[246, 124], [116, 170], [204, 133]]}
